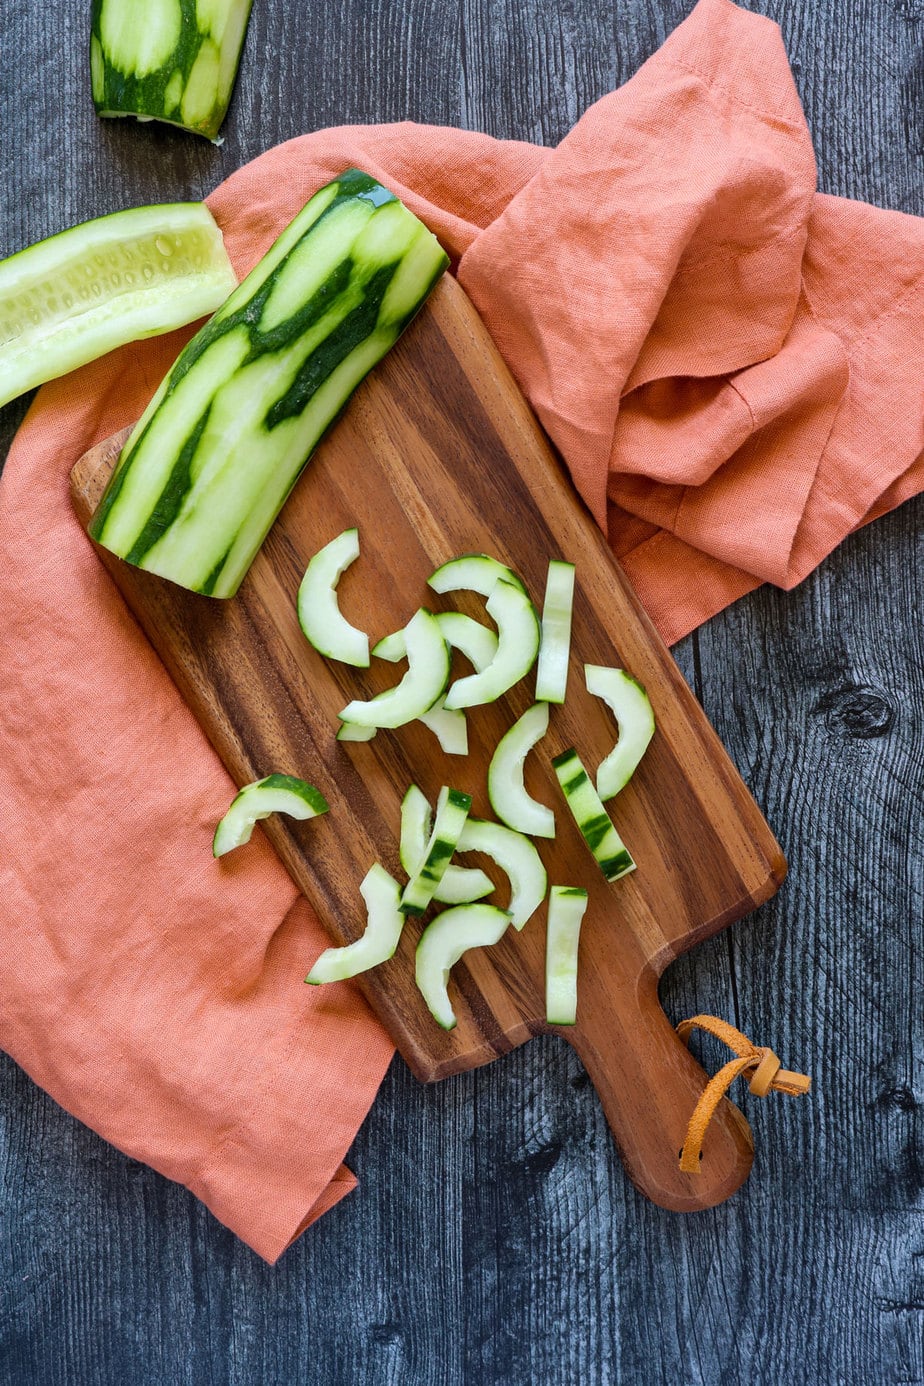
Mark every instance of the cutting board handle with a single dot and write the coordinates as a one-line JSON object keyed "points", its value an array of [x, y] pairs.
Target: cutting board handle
{"points": [[649, 1083]]}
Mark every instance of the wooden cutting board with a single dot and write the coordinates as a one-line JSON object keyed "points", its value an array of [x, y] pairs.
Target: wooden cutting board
{"points": [[436, 456]]}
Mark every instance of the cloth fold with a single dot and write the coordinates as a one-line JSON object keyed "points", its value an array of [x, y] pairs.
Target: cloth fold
{"points": [[728, 363]]}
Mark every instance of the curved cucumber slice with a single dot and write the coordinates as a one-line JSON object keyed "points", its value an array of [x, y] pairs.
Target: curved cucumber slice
{"points": [[425, 680], [349, 731], [629, 704], [555, 644], [567, 905], [473, 572], [385, 921], [274, 794], [609, 851], [518, 643], [452, 808], [318, 613], [460, 884], [515, 855], [73, 297], [442, 944], [506, 789]]}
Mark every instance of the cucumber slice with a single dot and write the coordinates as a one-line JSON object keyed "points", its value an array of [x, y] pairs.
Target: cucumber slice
{"points": [[134, 274], [506, 789], [425, 680], [472, 572], [452, 808], [349, 731], [274, 794], [609, 851], [630, 705], [460, 884], [515, 855], [385, 921], [442, 944], [518, 643], [555, 644], [318, 612], [567, 905]]}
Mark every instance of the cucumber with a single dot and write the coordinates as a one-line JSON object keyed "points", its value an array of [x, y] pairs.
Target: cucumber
{"points": [[377, 944], [170, 60], [442, 944], [518, 642], [349, 731], [452, 808], [506, 789], [555, 642], [212, 459], [567, 905], [472, 572], [274, 794], [608, 849], [460, 884], [76, 296], [318, 613], [630, 705], [425, 680], [515, 855]]}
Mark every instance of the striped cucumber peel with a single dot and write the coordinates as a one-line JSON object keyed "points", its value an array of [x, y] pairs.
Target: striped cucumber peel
{"points": [[384, 922], [555, 640], [214, 456], [567, 906], [517, 857], [273, 794], [631, 706], [120, 278], [517, 645], [319, 614], [506, 790], [452, 808], [169, 60], [472, 572], [597, 829], [443, 943], [460, 885], [423, 683]]}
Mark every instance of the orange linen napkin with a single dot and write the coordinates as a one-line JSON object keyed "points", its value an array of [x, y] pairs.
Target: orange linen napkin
{"points": [[731, 366]]}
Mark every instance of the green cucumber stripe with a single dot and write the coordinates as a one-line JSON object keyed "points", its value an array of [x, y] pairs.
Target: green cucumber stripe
{"points": [[171, 497], [614, 866]]}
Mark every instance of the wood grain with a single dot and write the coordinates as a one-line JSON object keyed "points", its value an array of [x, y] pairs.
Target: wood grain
{"points": [[438, 455]]}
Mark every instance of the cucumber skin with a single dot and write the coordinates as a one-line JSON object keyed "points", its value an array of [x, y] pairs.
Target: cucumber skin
{"points": [[157, 95]]}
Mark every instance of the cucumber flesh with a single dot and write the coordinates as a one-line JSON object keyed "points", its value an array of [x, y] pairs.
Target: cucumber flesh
{"points": [[555, 642], [443, 943], [630, 705], [273, 794], [349, 731], [506, 790], [318, 612], [608, 849], [518, 642], [472, 572], [515, 855], [567, 905], [76, 296], [460, 885], [452, 808], [425, 680], [377, 944]]}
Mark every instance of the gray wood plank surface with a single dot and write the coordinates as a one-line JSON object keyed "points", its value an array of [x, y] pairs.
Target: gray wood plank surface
{"points": [[494, 1240]]}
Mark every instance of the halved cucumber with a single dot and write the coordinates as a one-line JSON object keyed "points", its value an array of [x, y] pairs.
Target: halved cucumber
{"points": [[425, 680], [442, 944], [273, 794], [609, 851], [567, 905], [555, 644], [318, 612], [506, 789], [385, 921], [630, 705], [518, 641], [516, 856], [76, 296], [472, 572], [460, 885], [452, 808]]}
